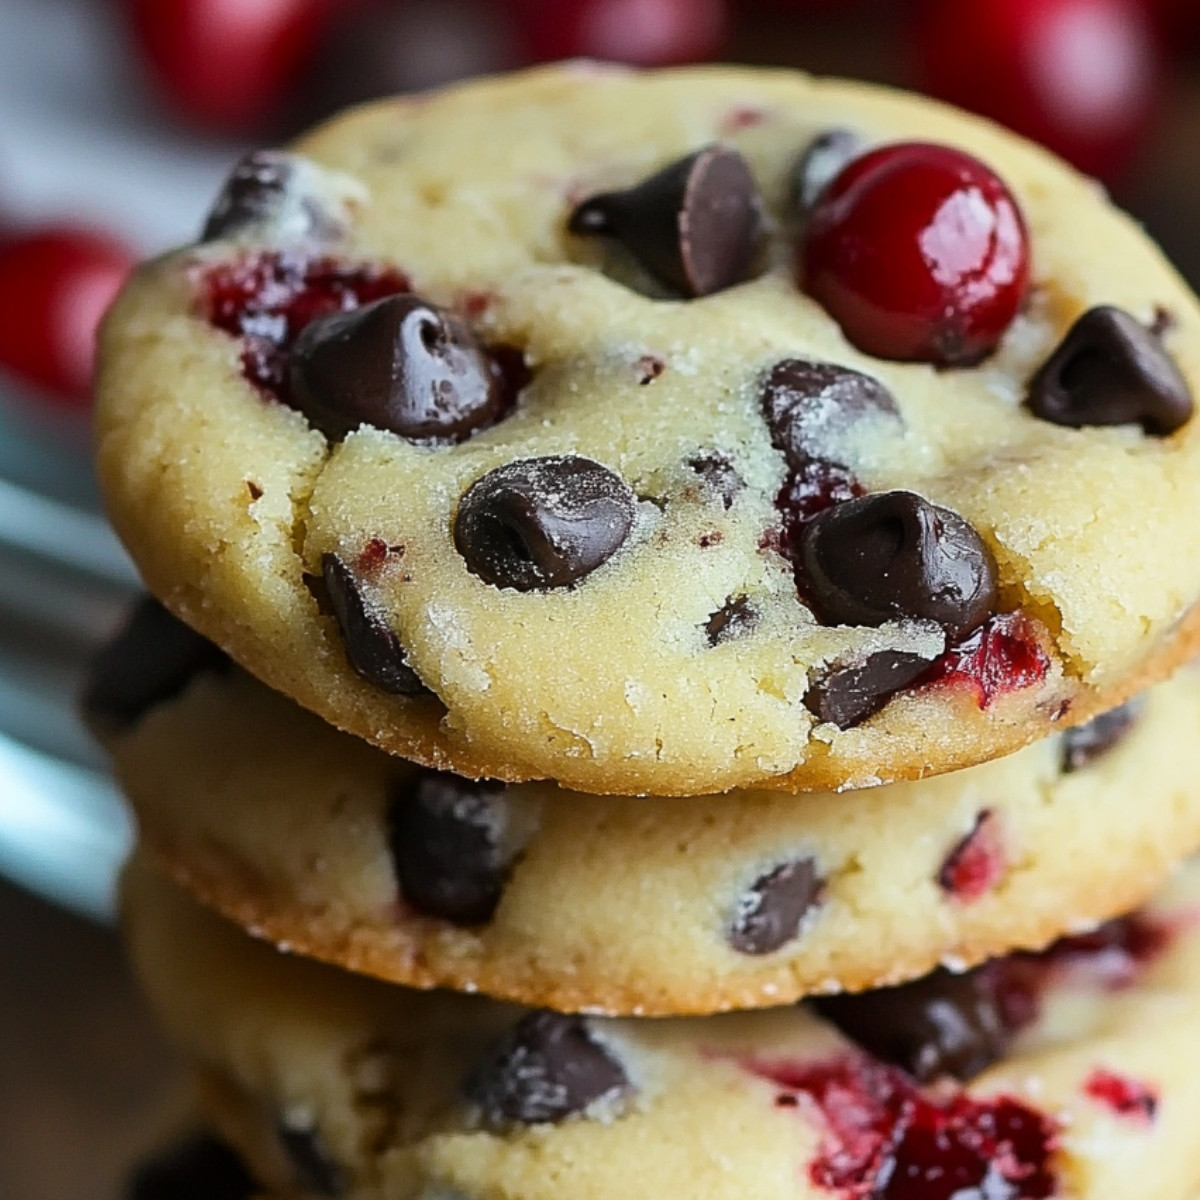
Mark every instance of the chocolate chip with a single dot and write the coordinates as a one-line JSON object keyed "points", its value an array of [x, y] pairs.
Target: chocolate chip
{"points": [[809, 406], [943, 1024], [893, 555], [737, 616], [372, 646], [398, 364], [447, 837], [152, 660], [719, 474], [1163, 322], [199, 1168], [1084, 744], [543, 522], [317, 1173], [848, 694], [265, 193], [546, 1069], [694, 226], [771, 912], [1111, 370], [822, 162]]}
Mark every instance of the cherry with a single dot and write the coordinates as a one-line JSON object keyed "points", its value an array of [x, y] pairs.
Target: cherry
{"points": [[55, 284], [1077, 75], [642, 32], [227, 66], [920, 253]]}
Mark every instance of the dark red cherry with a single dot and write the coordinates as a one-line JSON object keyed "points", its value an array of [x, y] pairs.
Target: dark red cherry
{"points": [[920, 253]]}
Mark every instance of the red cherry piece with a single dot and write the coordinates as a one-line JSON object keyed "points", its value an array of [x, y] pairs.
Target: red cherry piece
{"points": [[920, 253], [1130, 1098], [55, 286], [977, 863], [1003, 655], [227, 66], [642, 32]]}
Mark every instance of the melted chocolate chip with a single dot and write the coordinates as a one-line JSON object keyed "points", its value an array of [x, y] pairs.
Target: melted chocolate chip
{"points": [[943, 1024], [848, 694], [694, 226], [1111, 370], [894, 555], [262, 193], [719, 474], [548, 1068], [809, 406], [317, 1173], [770, 914], [398, 364], [447, 841], [543, 522], [371, 644], [153, 659], [822, 162], [1084, 744], [737, 616], [200, 1168]]}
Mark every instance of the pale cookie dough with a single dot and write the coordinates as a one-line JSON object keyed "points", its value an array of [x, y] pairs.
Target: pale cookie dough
{"points": [[626, 470], [623, 905], [1079, 1070]]}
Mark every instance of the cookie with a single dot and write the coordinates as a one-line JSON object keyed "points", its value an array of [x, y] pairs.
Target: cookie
{"points": [[1069, 1073], [548, 427], [649, 905]]}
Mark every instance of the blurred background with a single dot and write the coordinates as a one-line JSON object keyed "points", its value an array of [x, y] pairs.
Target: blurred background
{"points": [[118, 119]]}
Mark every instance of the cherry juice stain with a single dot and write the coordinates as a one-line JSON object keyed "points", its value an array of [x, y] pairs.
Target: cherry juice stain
{"points": [[977, 863], [1002, 656], [1124, 1096]]}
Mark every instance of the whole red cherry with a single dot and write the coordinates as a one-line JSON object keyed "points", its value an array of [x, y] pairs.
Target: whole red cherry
{"points": [[55, 285], [1079, 76], [920, 253]]}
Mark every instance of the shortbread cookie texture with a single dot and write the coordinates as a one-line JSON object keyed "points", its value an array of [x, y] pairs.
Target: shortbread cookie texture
{"points": [[622, 429], [1064, 1074], [643, 905]]}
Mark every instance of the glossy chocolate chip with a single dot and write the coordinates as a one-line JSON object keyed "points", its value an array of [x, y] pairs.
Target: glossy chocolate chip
{"points": [[771, 912], [372, 647], [449, 845], [719, 475], [810, 406], [399, 364], [153, 659], [848, 694], [943, 1024], [737, 616], [1111, 370], [894, 555], [548, 1068], [543, 522], [1084, 744], [822, 162], [265, 193], [316, 1171], [199, 1168], [694, 226]]}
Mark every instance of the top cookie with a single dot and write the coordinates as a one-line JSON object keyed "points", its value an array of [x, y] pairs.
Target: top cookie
{"points": [[624, 429]]}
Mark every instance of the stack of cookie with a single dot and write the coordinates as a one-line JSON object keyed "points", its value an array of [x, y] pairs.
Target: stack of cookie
{"points": [[801, 474]]}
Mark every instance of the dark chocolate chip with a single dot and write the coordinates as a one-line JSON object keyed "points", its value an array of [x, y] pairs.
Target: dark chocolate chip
{"points": [[737, 616], [943, 1024], [894, 555], [719, 474], [317, 1173], [1163, 321], [371, 644], [694, 226], [543, 522], [447, 837], [258, 192], [153, 659], [809, 406], [199, 1168], [848, 694], [1084, 744], [399, 364], [821, 163], [546, 1069], [1111, 370], [771, 912]]}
